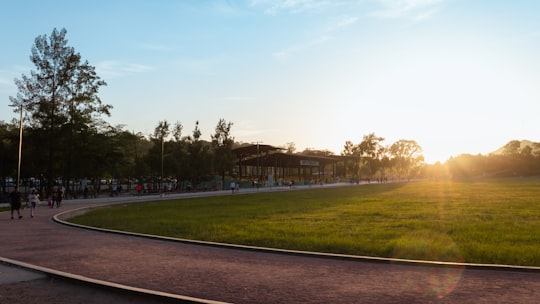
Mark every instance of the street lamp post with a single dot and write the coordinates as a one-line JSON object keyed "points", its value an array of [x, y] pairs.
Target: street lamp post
{"points": [[20, 146], [20, 143], [161, 179]]}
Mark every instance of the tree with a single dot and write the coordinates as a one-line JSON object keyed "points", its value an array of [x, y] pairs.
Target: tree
{"points": [[315, 152], [137, 140], [536, 149], [178, 151], [349, 152], [160, 134], [512, 147], [371, 151], [407, 154], [197, 157], [9, 138], [177, 131], [222, 142], [60, 95], [290, 147], [384, 161], [466, 165]]}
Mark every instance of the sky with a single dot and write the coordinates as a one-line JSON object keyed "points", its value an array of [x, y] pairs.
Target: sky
{"points": [[456, 76]]}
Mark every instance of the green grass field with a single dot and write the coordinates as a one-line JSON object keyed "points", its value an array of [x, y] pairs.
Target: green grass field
{"points": [[483, 221]]}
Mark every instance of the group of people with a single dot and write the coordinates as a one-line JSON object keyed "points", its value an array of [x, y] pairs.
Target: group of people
{"points": [[15, 201], [235, 186], [56, 198]]}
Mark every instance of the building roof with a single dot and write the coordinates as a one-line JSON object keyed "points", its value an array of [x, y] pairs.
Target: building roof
{"points": [[253, 150], [290, 160]]}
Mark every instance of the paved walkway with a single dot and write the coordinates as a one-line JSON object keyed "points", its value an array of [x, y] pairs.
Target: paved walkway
{"points": [[241, 276]]}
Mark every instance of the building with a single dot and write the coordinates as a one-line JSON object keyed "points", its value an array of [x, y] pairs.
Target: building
{"points": [[268, 164]]}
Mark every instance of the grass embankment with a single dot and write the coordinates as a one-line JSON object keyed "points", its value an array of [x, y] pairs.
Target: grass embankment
{"points": [[487, 221]]}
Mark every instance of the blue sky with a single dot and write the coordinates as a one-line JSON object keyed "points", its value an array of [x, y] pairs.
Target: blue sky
{"points": [[457, 76]]}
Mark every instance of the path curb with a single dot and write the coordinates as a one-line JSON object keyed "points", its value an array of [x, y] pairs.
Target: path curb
{"points": [[62, 217], [146, 293]]}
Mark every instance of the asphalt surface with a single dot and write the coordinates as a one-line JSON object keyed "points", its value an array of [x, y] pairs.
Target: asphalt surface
{"points": [[230, 274]]}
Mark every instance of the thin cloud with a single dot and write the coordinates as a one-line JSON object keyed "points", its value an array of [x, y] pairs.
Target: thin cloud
{"points": [[155, 47], [291, 6], [341, 22], [5, 81], [411, 9], [226, 9], [238, 98], [323, 37], [7, 77], [113, 68], [200, 66], [286, 54], [247, 130]]}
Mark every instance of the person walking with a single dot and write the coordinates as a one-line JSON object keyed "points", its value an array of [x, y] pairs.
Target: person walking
{"points": [[34, 201], [53, 199], [15, 200], [60, 196]]}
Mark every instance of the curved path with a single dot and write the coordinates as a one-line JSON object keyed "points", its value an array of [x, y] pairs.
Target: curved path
{"points": [[246, 276]]}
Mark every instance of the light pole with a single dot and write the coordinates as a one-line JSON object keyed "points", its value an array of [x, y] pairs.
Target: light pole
{"points": [[161, 179], [20, 146], [20, 143]]}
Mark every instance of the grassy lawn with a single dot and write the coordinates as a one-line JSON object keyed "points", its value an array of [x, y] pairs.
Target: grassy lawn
{"points": [[483, 221]]}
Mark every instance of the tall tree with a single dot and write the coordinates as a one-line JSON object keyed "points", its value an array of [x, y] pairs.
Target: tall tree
{"points": [[62, 94], [177, 131], [407, 154], [197, 157], [9, 138], [161, 132], [349, 151], [178, 152], [371, 150], [223, 142], [290, 147]]}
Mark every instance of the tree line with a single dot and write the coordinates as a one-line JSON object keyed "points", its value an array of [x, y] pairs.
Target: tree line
{"points": [[516, 158], [404, 160], [104, 152], [371, 159]]}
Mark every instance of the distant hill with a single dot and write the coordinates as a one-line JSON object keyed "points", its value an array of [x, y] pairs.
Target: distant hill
{"points": [[535, 146]]}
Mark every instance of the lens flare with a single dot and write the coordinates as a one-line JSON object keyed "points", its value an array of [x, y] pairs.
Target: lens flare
{"points": [[431, 281]]}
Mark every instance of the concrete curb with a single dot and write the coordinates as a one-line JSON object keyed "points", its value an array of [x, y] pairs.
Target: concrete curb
{"points": [[62, 217], [146, 293]]}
